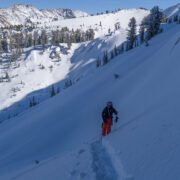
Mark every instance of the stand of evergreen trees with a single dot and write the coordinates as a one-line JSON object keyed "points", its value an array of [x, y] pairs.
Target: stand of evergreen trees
{"points": [[15, 41], [149, 27]]}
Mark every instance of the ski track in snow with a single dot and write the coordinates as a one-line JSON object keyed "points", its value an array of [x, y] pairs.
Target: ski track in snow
{"points": [[102, 164]]}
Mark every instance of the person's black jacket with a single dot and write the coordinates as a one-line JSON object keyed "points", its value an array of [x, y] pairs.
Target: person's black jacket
{"points": [[108, 113]]}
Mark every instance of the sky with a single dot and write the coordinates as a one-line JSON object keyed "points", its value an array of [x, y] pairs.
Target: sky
{"points": [[91, 6]]}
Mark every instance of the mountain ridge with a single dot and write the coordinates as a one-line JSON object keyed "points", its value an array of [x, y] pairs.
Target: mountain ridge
{"points": [[172, 11], [23, 14]]}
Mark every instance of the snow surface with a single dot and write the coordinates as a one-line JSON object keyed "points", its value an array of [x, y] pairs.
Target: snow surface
{"points": [[100, 23], [63, 132], [30, 78]]}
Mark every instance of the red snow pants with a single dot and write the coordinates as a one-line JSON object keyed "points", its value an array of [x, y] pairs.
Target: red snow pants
{"points": [[106, 128]]}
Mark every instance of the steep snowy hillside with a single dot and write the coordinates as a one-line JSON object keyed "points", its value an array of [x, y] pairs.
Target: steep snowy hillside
{"points": [[101, 24], [21, 14], [60, 137], [172, 11], [73, 64]]}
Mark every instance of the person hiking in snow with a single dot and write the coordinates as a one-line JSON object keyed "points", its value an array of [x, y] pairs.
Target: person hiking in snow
{"points": [[107, 116]]}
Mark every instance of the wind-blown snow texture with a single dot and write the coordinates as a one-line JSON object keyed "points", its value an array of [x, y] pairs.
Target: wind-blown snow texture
{"points": [[63, 133]]}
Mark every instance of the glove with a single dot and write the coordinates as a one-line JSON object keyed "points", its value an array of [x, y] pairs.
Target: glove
{"points": [[116, 119]]}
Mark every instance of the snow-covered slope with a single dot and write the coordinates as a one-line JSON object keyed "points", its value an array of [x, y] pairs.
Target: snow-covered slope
{"points": [[23, 14], [145, 144], [172, 11], [74, 64], [100, 23]]}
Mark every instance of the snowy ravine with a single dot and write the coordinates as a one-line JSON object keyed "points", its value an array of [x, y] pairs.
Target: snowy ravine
{"points": [[59, 137]]}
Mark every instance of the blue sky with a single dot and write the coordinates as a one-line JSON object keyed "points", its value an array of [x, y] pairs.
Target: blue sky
{"points": [[91, 6]]}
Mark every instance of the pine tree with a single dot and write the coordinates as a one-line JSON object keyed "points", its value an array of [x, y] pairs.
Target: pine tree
{"points": [[153, 22], [52, 91], [112, 55], [127, 46], [68, 83], [4, 45], [35, 38], [30, 103], [175, 18], [44, 39], [122, 48], [117, 26], [1, 49], [98, 62], [146, 43], [105, 58], [131, 36], [69, 44], [58, 90], [170, 20], [7, 77], [30, 40], [34, 103], [55, 37], [142, 31], [115, 51]]}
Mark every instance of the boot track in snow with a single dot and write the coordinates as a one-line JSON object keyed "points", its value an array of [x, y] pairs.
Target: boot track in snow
{"points": [[102, 164]]}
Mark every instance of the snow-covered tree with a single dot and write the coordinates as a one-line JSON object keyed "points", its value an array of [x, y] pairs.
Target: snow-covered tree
{"points": [[117, 26], [44, 39], [30, 40], [7, 77], [35, 38]]}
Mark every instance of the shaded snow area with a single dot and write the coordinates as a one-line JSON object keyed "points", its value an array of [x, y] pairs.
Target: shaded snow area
{"points": [[91, 161], [35, 71], [60, 138], [76, 165]]}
